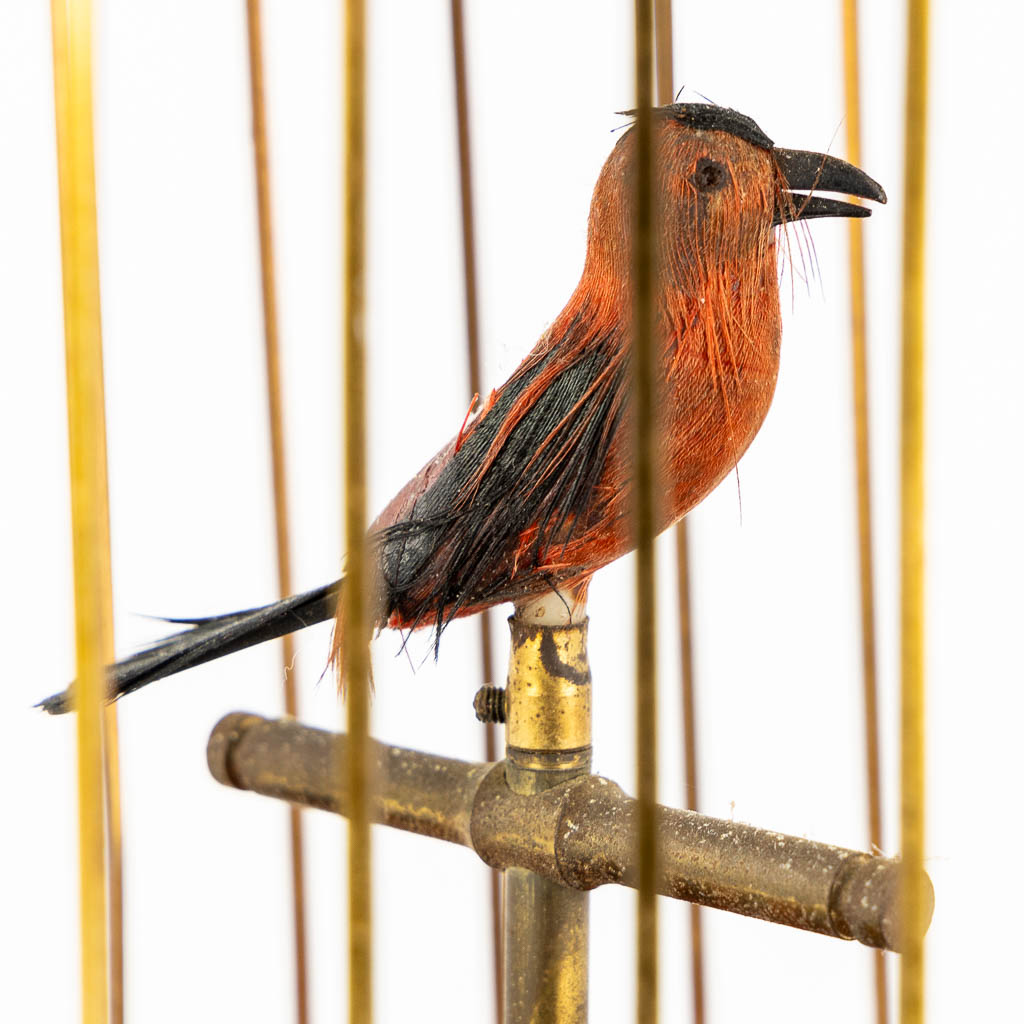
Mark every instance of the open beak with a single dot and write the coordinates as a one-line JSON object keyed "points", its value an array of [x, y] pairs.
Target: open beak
{"points": [[818, 172]]}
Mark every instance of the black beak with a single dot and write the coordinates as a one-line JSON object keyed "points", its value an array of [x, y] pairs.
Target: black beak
{"points": [[818, 172]]}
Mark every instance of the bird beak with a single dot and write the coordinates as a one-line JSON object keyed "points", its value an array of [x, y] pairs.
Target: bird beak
{"points": [[818, 172]]}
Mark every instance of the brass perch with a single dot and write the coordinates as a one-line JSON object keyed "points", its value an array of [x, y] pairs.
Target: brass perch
{"points": [[580, 834]]}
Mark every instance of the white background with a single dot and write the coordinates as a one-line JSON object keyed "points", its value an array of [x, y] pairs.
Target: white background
{"points": [[208, 927]]}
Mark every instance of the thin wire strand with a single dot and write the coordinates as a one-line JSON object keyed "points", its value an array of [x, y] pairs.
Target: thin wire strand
{"points": [[644, 278], [98, 781], [355, 649], [862, 455], [691, 785], [475, 388], [912, 518], [278, 465]]}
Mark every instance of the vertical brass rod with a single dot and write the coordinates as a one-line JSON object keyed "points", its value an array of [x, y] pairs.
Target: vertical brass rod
{"points": [[644, 283], [862, 456], [355, 648], [692, 789], [546, 935], [663, 69], [548, 741], [90, 524], [475, 388], [278, 465], [115, 862], [466, 195], [912, 514], [663, 64]]}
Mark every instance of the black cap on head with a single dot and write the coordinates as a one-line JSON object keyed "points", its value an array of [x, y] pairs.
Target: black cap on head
{"points": [[708, 117]]}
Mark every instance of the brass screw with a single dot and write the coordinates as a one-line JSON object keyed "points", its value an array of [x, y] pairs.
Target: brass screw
{"points": [[489, 704]]}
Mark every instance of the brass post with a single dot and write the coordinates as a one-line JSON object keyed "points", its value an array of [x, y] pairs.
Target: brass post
{"points": [[548, 742]]}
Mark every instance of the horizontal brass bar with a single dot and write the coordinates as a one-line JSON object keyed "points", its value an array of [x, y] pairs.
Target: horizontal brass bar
{"points": [[580, 834]]}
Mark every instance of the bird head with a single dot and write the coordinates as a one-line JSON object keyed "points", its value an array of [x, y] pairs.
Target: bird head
{"points": [[723, 187]]}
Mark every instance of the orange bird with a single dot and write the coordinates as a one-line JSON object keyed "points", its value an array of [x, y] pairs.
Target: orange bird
{"points": [[535, 493]]}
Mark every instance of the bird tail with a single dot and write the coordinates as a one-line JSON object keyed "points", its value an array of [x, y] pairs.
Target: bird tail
{"points": [[208, 639]]}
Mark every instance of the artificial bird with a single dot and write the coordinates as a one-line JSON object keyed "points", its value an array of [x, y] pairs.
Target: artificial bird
{"points": [[534, 494]]}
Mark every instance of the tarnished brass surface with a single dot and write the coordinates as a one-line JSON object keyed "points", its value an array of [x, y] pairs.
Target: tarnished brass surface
{"points": [[546, 932], [548, 691], [532, 772], [415, 792], [547, 733], [579, 833], [732, 866]]}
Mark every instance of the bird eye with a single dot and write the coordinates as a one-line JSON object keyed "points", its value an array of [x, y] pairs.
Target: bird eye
{"points": [[709, 176]]}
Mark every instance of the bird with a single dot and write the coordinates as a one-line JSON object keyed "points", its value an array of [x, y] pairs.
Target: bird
{"points": [[534, 494]]}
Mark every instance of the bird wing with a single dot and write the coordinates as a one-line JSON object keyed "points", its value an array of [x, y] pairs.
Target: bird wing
{"points": [[522, 484]]}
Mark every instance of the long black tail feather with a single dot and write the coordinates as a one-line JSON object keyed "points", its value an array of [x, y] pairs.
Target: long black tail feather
{"points": [[210, 638]]}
